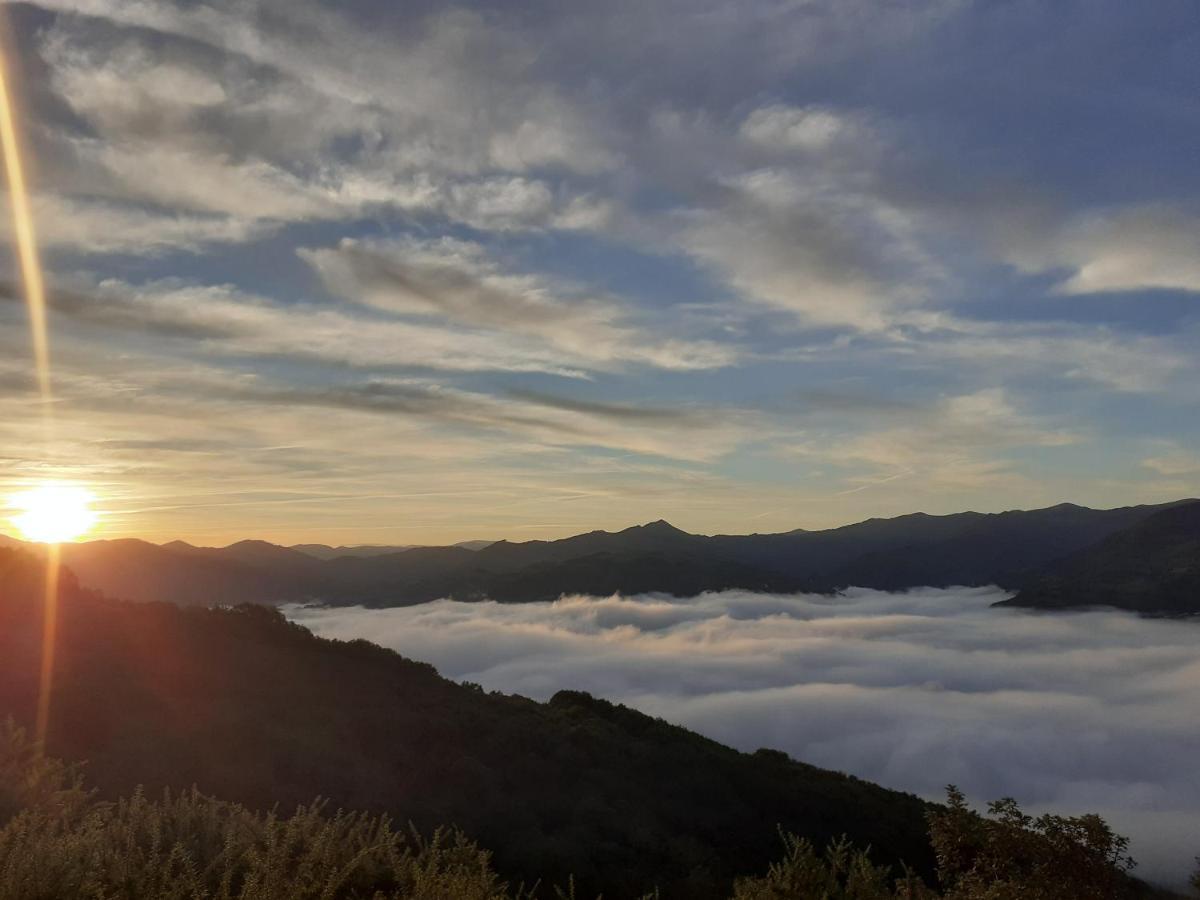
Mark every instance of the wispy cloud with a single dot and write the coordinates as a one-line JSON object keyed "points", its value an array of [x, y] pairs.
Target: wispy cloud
{"points": [[307, 120], [457, 282], [962, 442]]}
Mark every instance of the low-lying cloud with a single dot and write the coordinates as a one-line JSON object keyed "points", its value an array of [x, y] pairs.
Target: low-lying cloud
{"points": [[1093, 711]]}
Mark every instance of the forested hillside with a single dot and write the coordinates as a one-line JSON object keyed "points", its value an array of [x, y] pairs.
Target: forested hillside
{"points": [[253, 709], [1151, 567], [58, 841]]}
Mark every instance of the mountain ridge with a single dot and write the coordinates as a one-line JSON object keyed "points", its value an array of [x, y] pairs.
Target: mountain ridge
{"points": [[1151, 567], [1011, 549]]}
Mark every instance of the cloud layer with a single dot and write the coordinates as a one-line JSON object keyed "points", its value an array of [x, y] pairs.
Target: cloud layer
{"points": [[1088, 712], [535, 248]]}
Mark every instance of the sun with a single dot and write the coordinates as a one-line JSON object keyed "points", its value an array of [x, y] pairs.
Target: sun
{"points": [[54, 513]]}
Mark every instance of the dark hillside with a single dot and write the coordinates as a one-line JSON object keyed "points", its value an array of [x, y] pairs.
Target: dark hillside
{"points": [[1152, 567], [251, 708]]}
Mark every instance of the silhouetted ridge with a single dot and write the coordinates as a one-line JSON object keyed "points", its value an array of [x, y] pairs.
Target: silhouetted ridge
{"points": [[252, 708], [1011, 549], [1152, 567], [660, 527]]}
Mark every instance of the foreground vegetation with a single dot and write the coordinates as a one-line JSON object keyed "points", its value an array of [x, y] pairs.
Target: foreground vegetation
{"points": [[59, 842]]}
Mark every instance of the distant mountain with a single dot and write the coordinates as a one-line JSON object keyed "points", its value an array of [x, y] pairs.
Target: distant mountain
{"points": [[324, 551], [252, 708], [138, 570], [259, 554], [474, 545], [1152, 566], [1006, 549], [1010, 549]]}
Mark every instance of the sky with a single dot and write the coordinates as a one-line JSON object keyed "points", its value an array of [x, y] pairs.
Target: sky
{"points": [[369, 272], [1070, 714]]}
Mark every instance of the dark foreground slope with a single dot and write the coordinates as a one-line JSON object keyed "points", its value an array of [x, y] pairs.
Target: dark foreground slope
{"points": [[1152, 567], [251, 708], [59, 842], [1009, 549]]}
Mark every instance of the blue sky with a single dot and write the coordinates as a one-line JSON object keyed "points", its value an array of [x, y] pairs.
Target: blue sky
{"points": [[376, 272]]}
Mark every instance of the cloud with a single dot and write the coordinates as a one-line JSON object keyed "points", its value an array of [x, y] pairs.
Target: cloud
{"points": [[457, 282], [1173, 461], [1074, 713], [207, 112], [811, 129], [103, 227], [444, 309], [841, 199], [695, 435], [223, 321], [1134, 248], [798, 219], [960, 443], [1112, 358]]}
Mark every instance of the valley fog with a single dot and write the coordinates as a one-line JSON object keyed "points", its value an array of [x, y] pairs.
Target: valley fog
{"points": [[1085, 712]]}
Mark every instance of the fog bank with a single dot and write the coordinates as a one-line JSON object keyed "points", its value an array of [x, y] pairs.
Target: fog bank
{"points": [[1093, 711]]}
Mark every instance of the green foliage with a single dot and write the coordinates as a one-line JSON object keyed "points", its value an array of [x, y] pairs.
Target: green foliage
{"points": [[840, 873], [65, 845], [1011, 854], [58, 841], [29, 779]]}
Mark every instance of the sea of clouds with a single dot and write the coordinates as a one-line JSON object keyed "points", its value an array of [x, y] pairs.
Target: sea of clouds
{"points": [[1081, 712]]}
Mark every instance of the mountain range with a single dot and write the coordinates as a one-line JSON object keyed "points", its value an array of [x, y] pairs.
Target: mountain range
{"points": [[1062, 556]]}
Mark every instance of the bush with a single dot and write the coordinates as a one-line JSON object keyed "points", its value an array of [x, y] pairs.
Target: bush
{"points": [[29, 779], [840, 873], [1010, 854], [64, 845], [59, 842]]}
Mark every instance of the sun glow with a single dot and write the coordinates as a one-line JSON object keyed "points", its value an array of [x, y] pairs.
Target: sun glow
{"points": [[54, 513]]}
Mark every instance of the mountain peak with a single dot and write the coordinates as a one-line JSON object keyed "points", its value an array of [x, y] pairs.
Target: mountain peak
{"points": [[252, 544], [661, 526]]}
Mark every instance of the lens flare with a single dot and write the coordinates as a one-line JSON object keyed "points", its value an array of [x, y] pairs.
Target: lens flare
{"points": [[26, 237], [54, 513], [49, 643], [50, 514]]}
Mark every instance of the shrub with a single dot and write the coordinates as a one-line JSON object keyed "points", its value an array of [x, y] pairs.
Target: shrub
{"points": [[840, 873], [65, 845], [1011, 854]]}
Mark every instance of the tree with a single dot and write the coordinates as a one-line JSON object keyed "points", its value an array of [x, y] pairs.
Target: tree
{"points": [[1011, 854]]}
